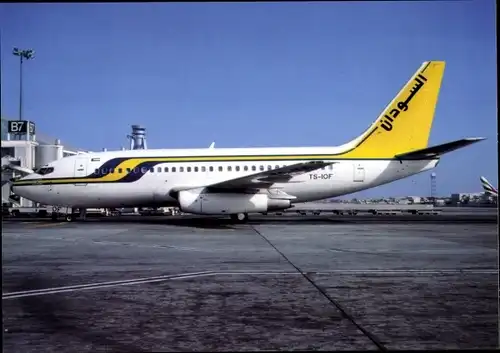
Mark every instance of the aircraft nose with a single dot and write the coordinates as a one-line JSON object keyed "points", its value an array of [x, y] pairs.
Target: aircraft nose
{"points": [[16, 190], [19, 189], [12, 186]]}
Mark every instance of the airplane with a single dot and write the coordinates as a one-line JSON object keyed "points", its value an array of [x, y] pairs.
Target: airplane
{"points": [[239, 181], [488, 188]]}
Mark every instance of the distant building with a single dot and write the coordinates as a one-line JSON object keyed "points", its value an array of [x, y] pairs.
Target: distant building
{"points": [[440, 202], [414, 199], [470, 198]]}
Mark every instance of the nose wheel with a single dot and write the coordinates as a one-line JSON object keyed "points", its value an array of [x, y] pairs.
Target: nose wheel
{"points": [[239, 217]]}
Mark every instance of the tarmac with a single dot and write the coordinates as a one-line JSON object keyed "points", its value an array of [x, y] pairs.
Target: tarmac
{"points": [[278, 282]]}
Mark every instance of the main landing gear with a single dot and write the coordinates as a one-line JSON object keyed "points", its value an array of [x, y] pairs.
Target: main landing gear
{"points": [[67, 217], [239, 217]]}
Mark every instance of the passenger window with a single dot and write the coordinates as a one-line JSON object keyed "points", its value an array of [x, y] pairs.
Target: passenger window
{"points": [[165, 170], [254, 168], [159, 169], [269, 167], [181, 169], [211, 168], [120, 170], [96, 171], [128, 170], [237, 168], [111, 170], [261, 167], [188, 169], [203, 169], [220, 168], [228, 168], [152, 170], [276, 167], [245, 168], [195, 169], [173, 169], [136, 170], [144, 170]]}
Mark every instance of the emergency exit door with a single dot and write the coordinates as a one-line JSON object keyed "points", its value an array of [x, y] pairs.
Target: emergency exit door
{"points": [[359, 173], [81, 169]]}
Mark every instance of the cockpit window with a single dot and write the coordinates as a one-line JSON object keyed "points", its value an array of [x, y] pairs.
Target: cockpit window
{"points": [[44, 170]]}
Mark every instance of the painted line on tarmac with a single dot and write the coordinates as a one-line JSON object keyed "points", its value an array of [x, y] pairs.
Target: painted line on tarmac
{"points": [[100, 285]]}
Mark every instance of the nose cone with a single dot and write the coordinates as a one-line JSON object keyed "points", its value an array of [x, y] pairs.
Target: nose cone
{"points": [[13, 186], [16, 189], [24, 187]]}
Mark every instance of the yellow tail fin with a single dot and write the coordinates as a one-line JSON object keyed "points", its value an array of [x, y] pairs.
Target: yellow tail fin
{"points": [[406, 122]]}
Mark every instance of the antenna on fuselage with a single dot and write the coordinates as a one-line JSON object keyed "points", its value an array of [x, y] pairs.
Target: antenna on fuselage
{"points": [[138, 138]]}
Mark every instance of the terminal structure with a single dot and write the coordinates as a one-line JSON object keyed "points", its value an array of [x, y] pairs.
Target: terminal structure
{"points": [[23, 148]]}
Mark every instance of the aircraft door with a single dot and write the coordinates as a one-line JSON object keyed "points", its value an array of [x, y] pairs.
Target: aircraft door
{"points": [[81, 168], [359, 173]]}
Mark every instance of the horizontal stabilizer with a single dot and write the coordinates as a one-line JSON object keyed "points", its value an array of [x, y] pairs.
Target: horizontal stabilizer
{"points": [[436, 151]]}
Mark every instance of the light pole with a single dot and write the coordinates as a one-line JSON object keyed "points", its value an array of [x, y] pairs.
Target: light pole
{"points": [[23, 54]]}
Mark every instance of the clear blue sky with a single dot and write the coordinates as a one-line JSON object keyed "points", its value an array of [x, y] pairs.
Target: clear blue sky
{"points": [[254, 74]]}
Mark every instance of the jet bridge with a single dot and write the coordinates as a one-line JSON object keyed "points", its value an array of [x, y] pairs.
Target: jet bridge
{"points": [[23, 150]]}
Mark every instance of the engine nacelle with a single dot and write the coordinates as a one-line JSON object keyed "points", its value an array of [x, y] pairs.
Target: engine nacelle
{"points": [[231, 203]]}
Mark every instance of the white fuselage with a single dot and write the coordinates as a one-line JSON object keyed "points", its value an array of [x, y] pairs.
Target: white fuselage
{"points": [[154, 186]]}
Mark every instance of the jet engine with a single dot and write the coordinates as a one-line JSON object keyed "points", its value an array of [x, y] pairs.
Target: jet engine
{"points": [[196, 202]]}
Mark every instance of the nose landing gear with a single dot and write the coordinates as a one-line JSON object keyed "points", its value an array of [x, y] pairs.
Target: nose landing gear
{"points": [[55, 213]]}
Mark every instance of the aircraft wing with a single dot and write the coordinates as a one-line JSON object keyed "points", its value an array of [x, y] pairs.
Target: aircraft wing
{"points": [[265, 179]]}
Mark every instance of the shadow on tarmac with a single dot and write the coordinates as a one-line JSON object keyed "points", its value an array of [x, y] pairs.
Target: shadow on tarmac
{"points": [[226, 223]]}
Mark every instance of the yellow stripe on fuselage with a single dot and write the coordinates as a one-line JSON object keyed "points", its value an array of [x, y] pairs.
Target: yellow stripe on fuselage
{"points": [[134, 162]]}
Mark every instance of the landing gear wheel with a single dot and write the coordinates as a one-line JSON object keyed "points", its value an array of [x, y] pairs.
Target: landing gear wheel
{"points": [[240, 217], [69, 218]]}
